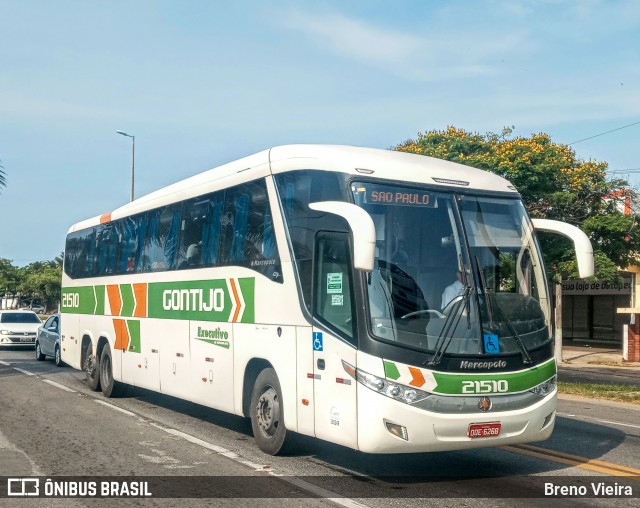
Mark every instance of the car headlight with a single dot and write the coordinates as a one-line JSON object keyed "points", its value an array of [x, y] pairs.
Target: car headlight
{"points": [[385, 387], [544, 389], [4, 332]]}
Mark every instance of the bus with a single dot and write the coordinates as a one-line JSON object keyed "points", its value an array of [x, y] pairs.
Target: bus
{"points": [[384, 301]]}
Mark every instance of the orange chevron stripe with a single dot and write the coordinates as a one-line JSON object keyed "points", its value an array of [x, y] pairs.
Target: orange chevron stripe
{"points": [[122, 334], [115, 300], [236, 298], [140, 290], [418, 378]]}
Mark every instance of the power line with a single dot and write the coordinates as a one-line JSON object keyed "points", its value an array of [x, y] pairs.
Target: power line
{"points": [[603, 133]]}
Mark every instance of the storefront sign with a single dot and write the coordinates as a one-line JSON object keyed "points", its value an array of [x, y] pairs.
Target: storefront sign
{"points": [[599, 287]]}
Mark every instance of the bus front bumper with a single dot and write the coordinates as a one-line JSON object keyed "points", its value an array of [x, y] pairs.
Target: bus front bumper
{"points": [[425, 431]]}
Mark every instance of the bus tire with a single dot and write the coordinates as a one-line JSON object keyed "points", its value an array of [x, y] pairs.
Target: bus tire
{"points": [[110, 387], [92, 372], [267, 414]]}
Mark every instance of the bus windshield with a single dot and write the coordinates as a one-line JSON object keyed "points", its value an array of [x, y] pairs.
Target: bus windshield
{"points": [[455, 274]]}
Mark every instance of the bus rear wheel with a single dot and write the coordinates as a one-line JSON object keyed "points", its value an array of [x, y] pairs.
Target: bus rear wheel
{"points": [[267, 415], [110, 387], [92, 372]]}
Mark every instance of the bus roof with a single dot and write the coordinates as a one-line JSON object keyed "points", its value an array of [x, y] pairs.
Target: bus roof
{"points": [[377, 163]]}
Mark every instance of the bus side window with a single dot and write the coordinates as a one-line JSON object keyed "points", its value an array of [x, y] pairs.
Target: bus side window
{"points": [[249, 238], [128, 245], [107, 240], [333, 303], [211, 232], [162, 239], [194, 216]]}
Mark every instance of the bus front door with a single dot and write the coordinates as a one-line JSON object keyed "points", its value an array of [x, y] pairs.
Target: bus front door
{"points": [[334, 389]]}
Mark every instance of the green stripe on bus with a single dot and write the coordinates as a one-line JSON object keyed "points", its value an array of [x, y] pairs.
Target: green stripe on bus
{"points": [[391, 370], [453, 384], [134, 335], [247, 289], [80, 300], [100, 300], [128, 302]]}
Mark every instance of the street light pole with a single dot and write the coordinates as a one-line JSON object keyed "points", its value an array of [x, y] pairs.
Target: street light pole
{"points": [[133, 158]]}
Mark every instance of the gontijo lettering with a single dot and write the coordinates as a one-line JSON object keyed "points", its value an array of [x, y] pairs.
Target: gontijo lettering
{"points": [[193, 299]]}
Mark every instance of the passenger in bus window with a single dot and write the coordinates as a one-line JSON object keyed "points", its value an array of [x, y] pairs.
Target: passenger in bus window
{"points": [[453, 290], [193, 254]]}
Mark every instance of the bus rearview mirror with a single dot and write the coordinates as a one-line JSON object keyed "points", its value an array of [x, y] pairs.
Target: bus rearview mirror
{"points": [[362, 229], [582, 245]]}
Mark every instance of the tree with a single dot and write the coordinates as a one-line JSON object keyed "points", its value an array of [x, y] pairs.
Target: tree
{"points": [[554, 184], [9, 277], [39, 281], [42, 281]]}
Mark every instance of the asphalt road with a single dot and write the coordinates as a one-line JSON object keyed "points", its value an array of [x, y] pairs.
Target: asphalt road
{"points": [[599, 375], [52, 425]]}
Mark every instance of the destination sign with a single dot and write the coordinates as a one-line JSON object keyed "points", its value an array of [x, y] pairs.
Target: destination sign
{"points": [[390, 195]]}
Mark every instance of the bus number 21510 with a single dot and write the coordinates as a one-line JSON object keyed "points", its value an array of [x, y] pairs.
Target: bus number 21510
{"points": [[71, 300], [486, 386]]}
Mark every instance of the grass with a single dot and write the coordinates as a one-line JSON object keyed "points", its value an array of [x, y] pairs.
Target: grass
{"points": [[619, 393], [611, 364]]}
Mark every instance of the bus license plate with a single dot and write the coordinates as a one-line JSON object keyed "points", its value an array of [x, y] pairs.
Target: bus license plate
{"points": [[484, 430]]}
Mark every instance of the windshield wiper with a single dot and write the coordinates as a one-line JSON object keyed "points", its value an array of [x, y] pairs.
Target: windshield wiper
{"points": [[489, 295], [444, 337], [485, 292]]}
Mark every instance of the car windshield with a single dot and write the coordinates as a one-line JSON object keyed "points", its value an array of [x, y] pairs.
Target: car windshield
{"points": [[19, 317], [432, 290]]}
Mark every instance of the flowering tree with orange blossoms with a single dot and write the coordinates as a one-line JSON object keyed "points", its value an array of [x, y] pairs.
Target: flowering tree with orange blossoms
{"points": [[554, 184]]}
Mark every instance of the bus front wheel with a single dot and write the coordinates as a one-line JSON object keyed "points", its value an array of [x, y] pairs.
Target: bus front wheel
{"points": [[110, 387], [267, 416]]}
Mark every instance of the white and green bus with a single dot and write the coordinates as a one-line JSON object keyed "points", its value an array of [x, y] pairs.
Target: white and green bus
{"points": [[384, 301]]}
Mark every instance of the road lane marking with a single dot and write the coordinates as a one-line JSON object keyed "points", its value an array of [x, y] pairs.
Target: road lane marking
{"points": [[116, 408], [579, 417], [618, 423], [24, 371], [297, 481], [58, 385], [5, 363], [599, 466]]}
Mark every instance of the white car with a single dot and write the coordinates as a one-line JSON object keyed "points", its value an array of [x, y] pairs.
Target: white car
{"points": [[18, 327]]}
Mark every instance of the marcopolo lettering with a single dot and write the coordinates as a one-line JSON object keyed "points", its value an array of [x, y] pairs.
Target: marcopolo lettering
{"points": [[496, 364], [193, 300]]}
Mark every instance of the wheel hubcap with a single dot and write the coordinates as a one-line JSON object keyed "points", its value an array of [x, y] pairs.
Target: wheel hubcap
{"points": [[91, 366], [268, 411]]}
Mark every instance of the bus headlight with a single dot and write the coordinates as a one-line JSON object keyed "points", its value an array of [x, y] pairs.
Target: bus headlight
{"points": [[544, 389], [385, 387]]}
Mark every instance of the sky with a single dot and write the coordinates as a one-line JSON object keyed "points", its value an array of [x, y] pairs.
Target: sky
{"points": [[203, 82]]}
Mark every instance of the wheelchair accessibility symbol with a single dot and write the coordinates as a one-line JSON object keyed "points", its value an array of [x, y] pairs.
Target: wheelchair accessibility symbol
{"points": [[491, 344], [317, 341]]}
